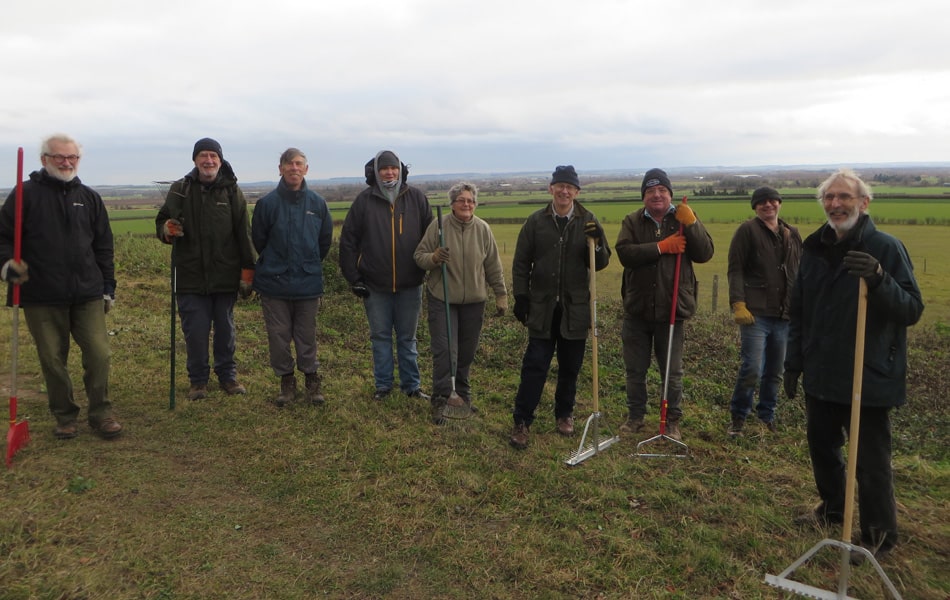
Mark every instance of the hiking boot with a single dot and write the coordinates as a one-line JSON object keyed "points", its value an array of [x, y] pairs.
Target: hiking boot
{"points": [[519, 436], [382, 394], [632, 425], [565, 425], [66, 432], [818, 518], [312, 389], [438, 410], [735, 430], [198, 391], [673, 431], [770, 425], [859, 558], [418, 393], [108, 428], [233, 388], [288, 390]]}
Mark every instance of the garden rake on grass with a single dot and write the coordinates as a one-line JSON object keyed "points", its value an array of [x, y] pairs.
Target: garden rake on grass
{"points": [[590, 446], [19, 433], [455, 406], [782, 580], [677, 448]]}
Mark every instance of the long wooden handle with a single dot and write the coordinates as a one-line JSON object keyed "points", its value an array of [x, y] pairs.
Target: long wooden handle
{"points": [[593, 323], [850, 484]]}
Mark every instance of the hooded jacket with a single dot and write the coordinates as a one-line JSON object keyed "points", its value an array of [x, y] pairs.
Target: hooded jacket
{"points": [[217, 240], [552, 268], [379, 238], [647, 287], [821, 333], [67, 242], [475, 264], [292, 232]]}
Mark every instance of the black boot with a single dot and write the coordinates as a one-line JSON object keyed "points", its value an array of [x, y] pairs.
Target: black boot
{"points": [[288, 390], [312, 389]]}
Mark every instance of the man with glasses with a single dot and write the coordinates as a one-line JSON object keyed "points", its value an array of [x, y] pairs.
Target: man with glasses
{"points": [[763, 263], [67, 279], [205, 215], [821, 345]]}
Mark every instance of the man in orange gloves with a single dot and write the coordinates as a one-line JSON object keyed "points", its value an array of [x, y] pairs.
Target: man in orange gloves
{"points": [[649, 240], [205, 215], [763, 263]]}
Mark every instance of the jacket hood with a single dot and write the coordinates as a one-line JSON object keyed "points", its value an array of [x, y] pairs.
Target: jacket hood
{"points": [[370, 169], [226, 175]]}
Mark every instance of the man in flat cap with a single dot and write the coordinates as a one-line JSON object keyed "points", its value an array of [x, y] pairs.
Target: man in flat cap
{"points": [[551, 274], [650, 240], [763, 262], [377, 258], [205, 215]]}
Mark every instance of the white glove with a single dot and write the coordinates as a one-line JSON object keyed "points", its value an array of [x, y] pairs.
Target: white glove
{"points": [[107, 302], [15, 272]]}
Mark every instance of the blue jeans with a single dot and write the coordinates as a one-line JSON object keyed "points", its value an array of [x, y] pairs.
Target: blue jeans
{"points": [[399, 312], [763, 360], [199, 312]]}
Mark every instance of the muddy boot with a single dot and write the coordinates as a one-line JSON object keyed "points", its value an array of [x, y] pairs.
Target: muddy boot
{"points": [[438, 410], [312, 389], [288, 390]]}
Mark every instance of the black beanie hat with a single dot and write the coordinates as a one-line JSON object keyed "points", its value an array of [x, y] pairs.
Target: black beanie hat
{"points": [[387, 158], [207, 144], [565, 174], [655, 177], [765, 193]]}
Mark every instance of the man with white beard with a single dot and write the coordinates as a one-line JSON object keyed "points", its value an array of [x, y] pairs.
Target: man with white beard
{"points": [[67, 281], [821, 345]]}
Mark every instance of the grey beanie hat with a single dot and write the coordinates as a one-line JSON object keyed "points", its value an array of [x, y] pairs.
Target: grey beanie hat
{"points": [[207, 144], [565, 174]]}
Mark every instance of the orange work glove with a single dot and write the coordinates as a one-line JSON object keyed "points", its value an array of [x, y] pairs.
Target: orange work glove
{"points": [[741, 314], [675, 244], [172, 229], [247, 283], [685, 214]]}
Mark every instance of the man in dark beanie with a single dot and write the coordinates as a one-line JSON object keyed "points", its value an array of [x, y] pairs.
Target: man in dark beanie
{"points": [[650, 240], [205, 216], [377, 257], [551, 271], [763, 262]]}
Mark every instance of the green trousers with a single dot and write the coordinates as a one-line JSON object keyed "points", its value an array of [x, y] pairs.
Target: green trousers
{"points": [[51, 327]]}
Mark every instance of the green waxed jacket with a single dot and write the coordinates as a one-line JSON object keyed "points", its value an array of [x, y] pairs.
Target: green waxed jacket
{"points": [[217, 240]]}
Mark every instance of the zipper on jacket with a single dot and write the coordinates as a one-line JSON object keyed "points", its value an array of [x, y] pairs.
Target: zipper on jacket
{"points": [[392, 222]]}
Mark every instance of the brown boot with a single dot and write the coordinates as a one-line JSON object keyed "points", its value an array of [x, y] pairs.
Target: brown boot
{"points": [[519, 436], [288, 390], [312, 389]]}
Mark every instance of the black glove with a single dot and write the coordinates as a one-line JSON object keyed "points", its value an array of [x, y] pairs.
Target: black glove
{"points": [[790, 379], [862, 264], [359, 288], [522, 307], [592, 229]]}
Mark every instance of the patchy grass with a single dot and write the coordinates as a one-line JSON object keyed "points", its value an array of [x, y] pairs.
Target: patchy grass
{"points": [[234, 498]]}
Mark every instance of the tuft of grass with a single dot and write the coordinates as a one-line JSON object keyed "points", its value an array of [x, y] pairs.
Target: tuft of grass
{"points": [[232, 497]]}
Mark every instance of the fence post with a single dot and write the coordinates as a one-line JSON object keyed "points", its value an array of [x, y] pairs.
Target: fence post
{"points": [[715, 293]]}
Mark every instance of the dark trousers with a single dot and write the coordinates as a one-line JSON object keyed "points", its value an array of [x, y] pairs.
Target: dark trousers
{"points": [[534, 373], [199, 313], [641, 340], [466, 328], [827, 425]]}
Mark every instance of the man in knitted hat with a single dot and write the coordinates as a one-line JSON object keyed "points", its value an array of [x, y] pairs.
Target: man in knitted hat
{"points": [[377, 246], [650, 240], [551, 271], [763, 263], [205, 216]]}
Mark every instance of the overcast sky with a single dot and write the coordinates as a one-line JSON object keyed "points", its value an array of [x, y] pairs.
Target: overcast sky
{"points": [[474, 86]]}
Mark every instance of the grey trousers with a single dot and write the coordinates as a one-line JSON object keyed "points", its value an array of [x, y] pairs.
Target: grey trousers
{"points": [[291, 321], [466, 328], [51, 327], [642, 339]]}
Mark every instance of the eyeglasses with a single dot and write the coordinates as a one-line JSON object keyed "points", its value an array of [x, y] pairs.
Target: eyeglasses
{"points": [[61, 158], [845, 197], [464, 201]]}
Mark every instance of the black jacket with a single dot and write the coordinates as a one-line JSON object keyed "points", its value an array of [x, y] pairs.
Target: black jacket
{"points": [[763, 266], [823, 322], [67, 242]]}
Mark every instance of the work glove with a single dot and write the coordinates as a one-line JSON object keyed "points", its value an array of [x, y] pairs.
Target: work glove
{"points": [[685, 214], [593, 230], [862, 264], [790, 379], [674, 244], [522, 308], [501, 305], [172, 228], [107, 302], [246, 287], [15, 272], [359, 288], [440, 255], [741, 314]]}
